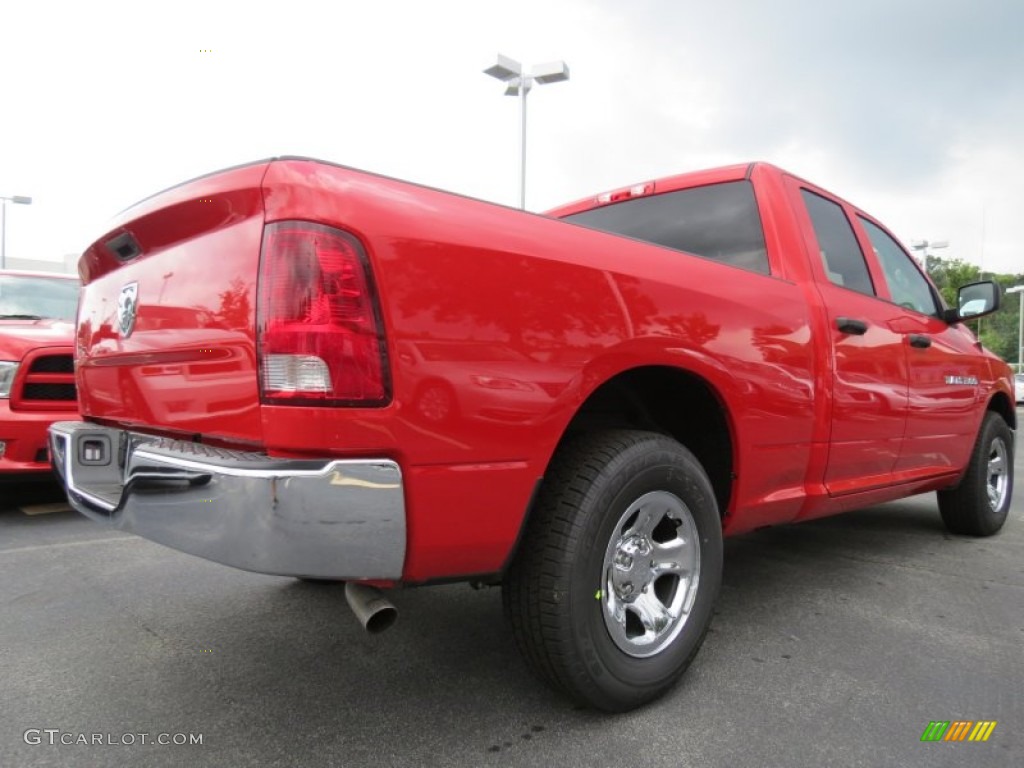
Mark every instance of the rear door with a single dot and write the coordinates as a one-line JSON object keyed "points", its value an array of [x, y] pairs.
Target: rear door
{"points": [[868, 365], [944, 365]]}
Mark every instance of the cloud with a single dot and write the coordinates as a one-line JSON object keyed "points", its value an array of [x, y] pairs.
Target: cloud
{"points": [[913, 110]]}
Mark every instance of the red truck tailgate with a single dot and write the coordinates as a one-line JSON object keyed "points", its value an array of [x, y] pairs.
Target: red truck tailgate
{"points": [[166, 331]]}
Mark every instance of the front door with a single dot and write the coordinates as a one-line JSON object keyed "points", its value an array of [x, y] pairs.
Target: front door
{"points": [[944, 364]]}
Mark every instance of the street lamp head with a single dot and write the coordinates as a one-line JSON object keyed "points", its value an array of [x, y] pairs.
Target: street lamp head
{"points": [[922, 245], [21, 200], [1015, 289], [552, 72], [505, 68], [513, 86]]}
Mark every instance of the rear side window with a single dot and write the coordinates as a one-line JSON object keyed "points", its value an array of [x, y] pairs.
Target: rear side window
{"points": [[719, 221], [840, 254]]}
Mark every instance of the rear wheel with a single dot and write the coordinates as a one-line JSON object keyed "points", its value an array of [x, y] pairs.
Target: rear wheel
{"points": [[979, 505], [611, 591]]}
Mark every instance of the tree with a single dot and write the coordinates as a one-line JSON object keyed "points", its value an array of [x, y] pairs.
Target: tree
{"points": [[998, 331], [949, 274]]}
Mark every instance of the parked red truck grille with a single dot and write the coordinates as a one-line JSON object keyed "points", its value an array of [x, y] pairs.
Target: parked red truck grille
{"points": [[53, 364], [33, 391], [48, 383]]}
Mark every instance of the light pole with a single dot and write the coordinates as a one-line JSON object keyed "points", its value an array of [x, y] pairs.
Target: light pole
{"points": [[518, 83], [1019, 289], [924, 245], [18, 200]]}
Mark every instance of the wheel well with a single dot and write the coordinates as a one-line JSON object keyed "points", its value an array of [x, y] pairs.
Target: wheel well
{"points": [[670, 401], [1001, 404]]}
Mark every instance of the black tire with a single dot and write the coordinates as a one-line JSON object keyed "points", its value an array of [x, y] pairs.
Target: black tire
{"points": [[969, 508], [556, 589]]}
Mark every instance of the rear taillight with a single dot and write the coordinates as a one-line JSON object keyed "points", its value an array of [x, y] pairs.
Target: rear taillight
{"points": [[320, 335]]}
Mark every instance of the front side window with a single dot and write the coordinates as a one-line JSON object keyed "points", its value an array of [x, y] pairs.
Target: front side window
{"points": [[840, 254], [906, 284], [717, 221]]}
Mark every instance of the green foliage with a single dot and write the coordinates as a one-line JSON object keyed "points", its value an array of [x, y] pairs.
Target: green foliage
{"points": [[998, 332]]}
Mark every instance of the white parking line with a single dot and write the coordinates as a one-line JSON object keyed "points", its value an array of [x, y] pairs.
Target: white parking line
{"points": [[67, 544], [46, 509]]}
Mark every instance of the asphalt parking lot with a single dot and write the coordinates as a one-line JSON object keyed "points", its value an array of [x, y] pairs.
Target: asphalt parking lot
{"points": [[835, 644]]}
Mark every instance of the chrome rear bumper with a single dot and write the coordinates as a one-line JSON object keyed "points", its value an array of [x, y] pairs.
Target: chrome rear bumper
{"points": [[328, 519]]}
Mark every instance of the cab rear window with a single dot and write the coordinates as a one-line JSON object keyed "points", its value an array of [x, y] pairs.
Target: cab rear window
{"points": [[718, 221]]}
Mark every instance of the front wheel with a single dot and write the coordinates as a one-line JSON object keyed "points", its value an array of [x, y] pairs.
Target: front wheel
{"points": [[611, 592], [978, 506]]}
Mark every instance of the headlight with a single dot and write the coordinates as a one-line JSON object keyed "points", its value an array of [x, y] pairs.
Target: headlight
{"points": [[7, 373]]}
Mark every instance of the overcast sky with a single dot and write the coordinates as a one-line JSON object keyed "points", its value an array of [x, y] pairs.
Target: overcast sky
{"points": [[912, 110]]}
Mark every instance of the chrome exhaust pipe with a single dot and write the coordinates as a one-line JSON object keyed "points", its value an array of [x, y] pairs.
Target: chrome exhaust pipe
{"points": [[374, 611]]}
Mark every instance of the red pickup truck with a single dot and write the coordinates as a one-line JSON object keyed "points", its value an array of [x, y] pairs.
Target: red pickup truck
{"points": [[302, 369], [37, 383]]}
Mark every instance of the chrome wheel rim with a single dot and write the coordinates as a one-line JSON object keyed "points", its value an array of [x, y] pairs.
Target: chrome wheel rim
{"points": [[997, 475], [650, 574]]}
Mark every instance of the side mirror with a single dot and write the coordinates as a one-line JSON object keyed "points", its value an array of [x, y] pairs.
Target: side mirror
{"points": [[975, 300]]}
